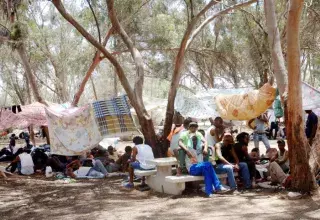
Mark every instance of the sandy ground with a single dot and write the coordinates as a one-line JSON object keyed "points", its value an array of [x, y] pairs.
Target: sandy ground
{"points": [[40, 198]]}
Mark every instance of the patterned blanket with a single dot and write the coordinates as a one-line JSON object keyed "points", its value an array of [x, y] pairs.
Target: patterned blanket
{"points": [[113, 117], [72, 131]]}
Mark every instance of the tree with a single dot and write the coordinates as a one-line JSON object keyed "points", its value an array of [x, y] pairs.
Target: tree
{"points": [[302, 177], [279, 68], [189, 35], [16, 38], [134, 95]]}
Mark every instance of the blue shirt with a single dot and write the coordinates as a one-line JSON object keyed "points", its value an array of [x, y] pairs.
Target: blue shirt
{"points": [[311, 121]]}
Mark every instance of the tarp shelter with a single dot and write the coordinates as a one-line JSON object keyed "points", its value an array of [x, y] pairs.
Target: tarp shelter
{"points": [[72, 131], [33, 114], [232, 104], [310, 97]]}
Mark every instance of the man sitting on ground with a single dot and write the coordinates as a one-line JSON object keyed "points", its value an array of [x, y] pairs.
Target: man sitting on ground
{"points": [[124, 159], [23, 162], [112, 154], [140, 154], [87, 168], [191, 142], [255, 155], [229, 156], [281, 159], [11, 152]]}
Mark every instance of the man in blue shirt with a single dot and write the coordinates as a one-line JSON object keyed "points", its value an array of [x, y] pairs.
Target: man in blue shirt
{"points": [[311, 125]]}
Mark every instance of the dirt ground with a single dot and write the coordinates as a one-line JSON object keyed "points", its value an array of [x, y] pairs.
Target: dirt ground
{"points": [[40, 198]]}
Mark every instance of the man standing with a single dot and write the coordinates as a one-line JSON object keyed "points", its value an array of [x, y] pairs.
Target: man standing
{"points": [[311, 125], [191, 142], [259, 130]]}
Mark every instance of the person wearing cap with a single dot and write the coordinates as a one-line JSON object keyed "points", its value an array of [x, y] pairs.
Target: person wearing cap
{"points": [[311, 125], [282, 157], [279, 166], [191, 142]]}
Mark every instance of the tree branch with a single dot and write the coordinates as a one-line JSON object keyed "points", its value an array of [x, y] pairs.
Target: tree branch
{"points": [[210, 18], [136, 55], [122, 77]]}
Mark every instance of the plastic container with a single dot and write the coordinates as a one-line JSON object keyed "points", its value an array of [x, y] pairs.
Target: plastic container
{"points": [[49, 172]]}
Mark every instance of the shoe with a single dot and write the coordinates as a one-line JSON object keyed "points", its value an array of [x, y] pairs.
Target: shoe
{"points": [[222, 190], [210, 196], [129, 185]]}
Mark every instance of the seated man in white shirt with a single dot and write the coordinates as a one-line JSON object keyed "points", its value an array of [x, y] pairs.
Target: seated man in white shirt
{"points": [[23, 162], [140, 154]]}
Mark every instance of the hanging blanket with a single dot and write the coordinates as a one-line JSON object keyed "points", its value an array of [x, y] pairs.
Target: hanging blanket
{"points": [[72, 131], [113, 117], [246, 106]]}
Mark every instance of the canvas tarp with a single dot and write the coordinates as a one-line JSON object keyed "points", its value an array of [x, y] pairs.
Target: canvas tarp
{"points": [[234, 104], [33, 114], [246, 106], [72, 131], [114, 118], [310, 97]]}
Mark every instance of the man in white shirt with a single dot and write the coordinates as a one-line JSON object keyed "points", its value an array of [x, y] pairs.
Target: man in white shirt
{"points": [[23, 162], [141, 153]]}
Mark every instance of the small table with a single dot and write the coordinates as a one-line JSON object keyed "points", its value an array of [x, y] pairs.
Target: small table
{"points": [[157, 182]]}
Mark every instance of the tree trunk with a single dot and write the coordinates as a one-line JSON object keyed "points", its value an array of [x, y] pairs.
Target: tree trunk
{"points": [[23, 55], [187, 39], [136, 102], [279, 68], [145, 120], [299, 151]]}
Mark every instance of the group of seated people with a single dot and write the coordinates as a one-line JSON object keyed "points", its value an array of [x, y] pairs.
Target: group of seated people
{"points": [[97, 163], [214, 152]]}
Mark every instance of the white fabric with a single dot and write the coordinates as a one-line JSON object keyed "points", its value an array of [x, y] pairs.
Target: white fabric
{"points": [[72, 131], [202, 105], [145, 153], [82, 171], [27, 165], [310, 97]]}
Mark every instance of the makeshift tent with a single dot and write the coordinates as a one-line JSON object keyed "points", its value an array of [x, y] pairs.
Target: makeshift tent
{"points": [[232, 104], [33, 114], [72, 131], [310, 97], [114, 118]]}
